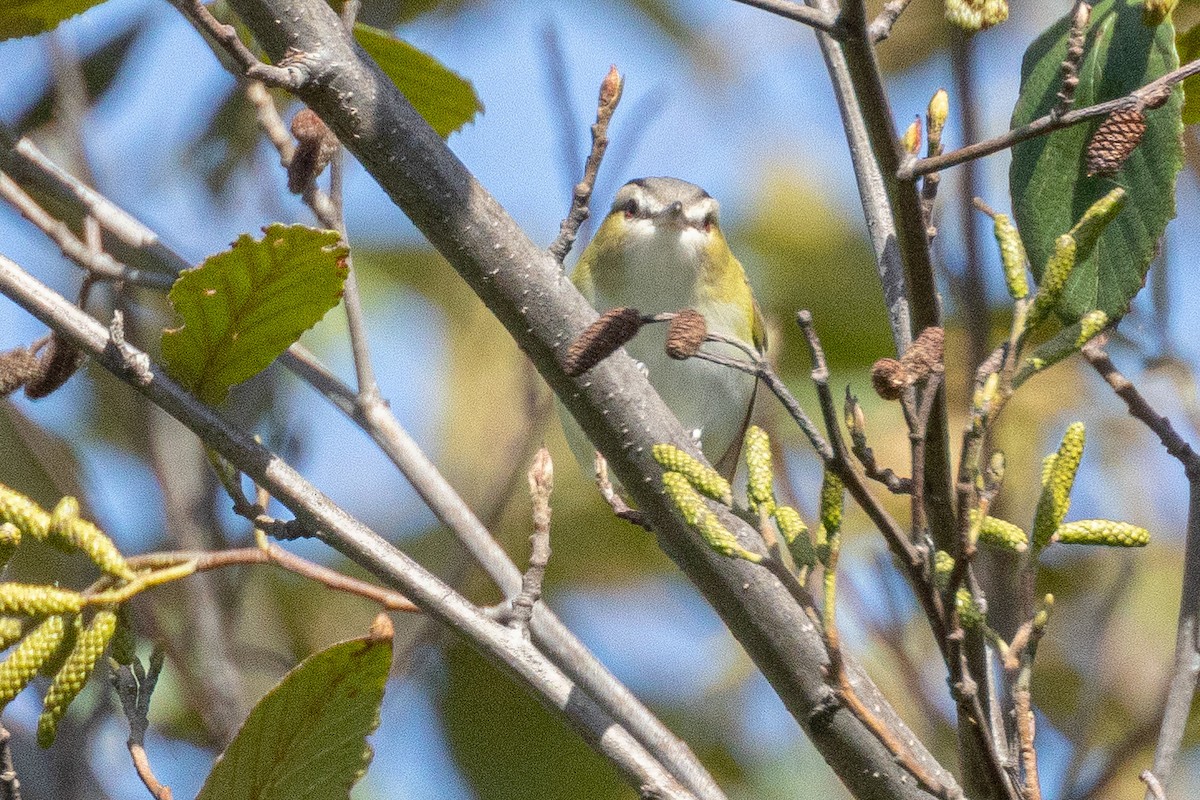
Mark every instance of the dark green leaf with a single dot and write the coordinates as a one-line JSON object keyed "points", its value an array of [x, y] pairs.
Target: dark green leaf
{"points": [[244, 307], [445, 100], [30, 17], [1188, 45], [1048, 178], [307, 737]]}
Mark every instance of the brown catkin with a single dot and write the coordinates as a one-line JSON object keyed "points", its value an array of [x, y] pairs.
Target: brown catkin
{"points": [[601, 339], [889, 378], [685, 333], [75, 671], [16, 366], [1115, 139]]}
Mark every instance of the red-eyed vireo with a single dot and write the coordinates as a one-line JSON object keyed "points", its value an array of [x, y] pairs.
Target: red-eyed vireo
{"points": [[661, 249]]}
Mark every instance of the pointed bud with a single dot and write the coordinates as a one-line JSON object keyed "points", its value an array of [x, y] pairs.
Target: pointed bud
{"points": [[704, 478], [610, 89], [1103, 532], [911, 141], [937, 113]]}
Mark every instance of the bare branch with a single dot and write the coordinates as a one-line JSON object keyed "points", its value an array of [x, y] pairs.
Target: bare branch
{"points": [[1048, 124], [797, 12], [294, 75], [10, 784], [541, 484], [881, 26], [610, 96]]}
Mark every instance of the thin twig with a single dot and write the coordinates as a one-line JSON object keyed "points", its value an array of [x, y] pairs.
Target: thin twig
{"points": [[541, 484], [1080, 16], [797, 12], [1048, 124], [10, 784], [606, 104], [1153, 787], [292, 75], [134, 687], [1187, 640], [881, 26]]}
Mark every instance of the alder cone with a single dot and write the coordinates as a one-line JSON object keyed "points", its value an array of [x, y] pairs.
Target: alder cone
{"points": [[1114, 140]]}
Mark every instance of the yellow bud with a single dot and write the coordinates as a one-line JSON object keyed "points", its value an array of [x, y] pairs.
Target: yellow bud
{"points": [[1001, 534], [23, 662], [32, 600], [760, 475], [1090, 324], [70, 532], [705, 479], [702, 519], [1056, 487], [27, 515], [1104, 532], [75, 671], [937, 113], [912, 137], [1012, 256]]}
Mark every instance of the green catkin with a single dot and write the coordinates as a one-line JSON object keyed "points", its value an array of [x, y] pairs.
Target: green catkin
{"points": [[70, 532], [943, 565], [760, 474], [1012, 256], [832, 498], [10, 540], [1102, 532], [11, 629], [1001, 534], [27, 658], [705, 479], [1058, 476], [75, 671], [1054, 278], [969, 612], [702, 519], [27, 515], [1093, 222], [795, 536], [1090, 324], [32, 600]]}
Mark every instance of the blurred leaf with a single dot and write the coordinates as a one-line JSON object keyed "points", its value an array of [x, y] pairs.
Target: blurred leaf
{"points": [[99, 70], [244, 307], [1048, 177], [31, 17], [920, 34], [1188, 45], [509, 746], [228, 145], [307, 737], [445, 100], [806, 255]]}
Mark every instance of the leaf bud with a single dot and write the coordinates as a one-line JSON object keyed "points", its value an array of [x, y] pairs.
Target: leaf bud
{"points": [[937, 113], [911, 141]]}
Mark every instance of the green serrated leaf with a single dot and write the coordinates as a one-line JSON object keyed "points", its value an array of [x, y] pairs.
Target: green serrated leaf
{"points": [[1188, 46], [307, 737], [244, 307], [446, 100], [30, 17], [1048, 179]]}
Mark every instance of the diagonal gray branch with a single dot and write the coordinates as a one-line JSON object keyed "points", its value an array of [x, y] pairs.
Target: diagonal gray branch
{"points": [[506, 647], [528, 293]]}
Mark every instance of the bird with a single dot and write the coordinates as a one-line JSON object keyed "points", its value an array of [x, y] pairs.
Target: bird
{"points": [[661, 249]]}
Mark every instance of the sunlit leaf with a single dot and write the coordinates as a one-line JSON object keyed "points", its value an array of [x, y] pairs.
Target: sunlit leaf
{"points": [[307, 737], [1049, 181], [445, 100], [30, 17], [244, 307]]}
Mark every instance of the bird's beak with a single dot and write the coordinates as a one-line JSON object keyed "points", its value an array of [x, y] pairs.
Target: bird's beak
{"points": [[672, 215]]}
